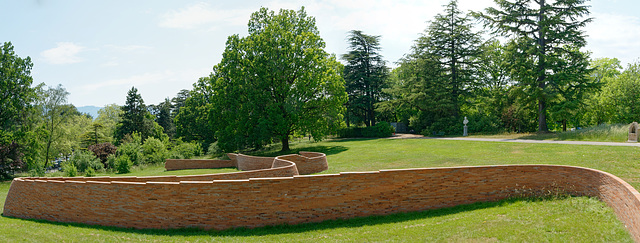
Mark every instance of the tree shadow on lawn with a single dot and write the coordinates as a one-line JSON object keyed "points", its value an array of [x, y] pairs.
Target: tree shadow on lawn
{"points": [[304, 227], [340, 140], [328, 150]]}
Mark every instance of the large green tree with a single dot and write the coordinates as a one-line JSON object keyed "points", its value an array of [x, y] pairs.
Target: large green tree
{"points": [[276, 81], [135, 117], [179, 101], [16, 93], [163, 116], [109, 116], [451, 40], [599, 109], [55, 112], [74, 130], [16, 100], [618, 101], [440, 71], [365, 75], [192, 121], [547, 37]]}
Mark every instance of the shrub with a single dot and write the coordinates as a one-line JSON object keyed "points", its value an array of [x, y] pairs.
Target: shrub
{"points": [[111, 162], [90, 172], [123, 164], [186, 150], [133, 150], [154, 151], [84, 160], [380, 130], [213, 149], [102, 151], [10, 156], [173, 155], [69, 169], [37, 169]]}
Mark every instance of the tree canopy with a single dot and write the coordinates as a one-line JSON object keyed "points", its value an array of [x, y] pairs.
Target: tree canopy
{"points": [[365, 76], [439, 72], [275, 82], [16, 104], [546, 59], [136, 118]]}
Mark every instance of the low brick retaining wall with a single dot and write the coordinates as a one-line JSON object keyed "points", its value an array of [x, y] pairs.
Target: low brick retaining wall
{"points": [[185, 164], [255, 202]]}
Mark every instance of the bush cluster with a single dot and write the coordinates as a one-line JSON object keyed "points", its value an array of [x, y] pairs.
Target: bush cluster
{"points": [[154, 151], [133, 151], [186, 151], [123, 164], [380, 130], [82, 162], [102, 151]]}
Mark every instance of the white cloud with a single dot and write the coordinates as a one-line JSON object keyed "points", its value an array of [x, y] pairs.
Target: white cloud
{"points": [[203, 14], [64, 53]]}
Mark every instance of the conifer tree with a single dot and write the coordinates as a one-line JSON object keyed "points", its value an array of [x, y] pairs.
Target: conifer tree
{"points": [[365, 75], [135, 117], [451, 40], [546, 40], [440, 71]]}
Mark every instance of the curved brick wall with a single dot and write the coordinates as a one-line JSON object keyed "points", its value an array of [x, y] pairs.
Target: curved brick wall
{"points": [[255, 202], [247, 162], [306, 162]]}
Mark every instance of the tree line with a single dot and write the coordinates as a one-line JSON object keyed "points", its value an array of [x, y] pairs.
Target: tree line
{"points": [[519, 67]]}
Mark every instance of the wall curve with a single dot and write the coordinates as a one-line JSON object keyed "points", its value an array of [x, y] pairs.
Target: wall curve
{"points": [[143, 202]]}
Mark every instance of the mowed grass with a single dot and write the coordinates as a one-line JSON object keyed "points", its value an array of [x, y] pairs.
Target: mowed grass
{"points": [[378, 154], [600, 133], [572, 219]]}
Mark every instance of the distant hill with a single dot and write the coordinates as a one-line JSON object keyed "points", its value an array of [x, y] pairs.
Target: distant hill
{"points": [[91, 110]]}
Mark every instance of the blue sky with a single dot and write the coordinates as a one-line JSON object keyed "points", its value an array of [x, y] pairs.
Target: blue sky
{"points": [[98, 50]]}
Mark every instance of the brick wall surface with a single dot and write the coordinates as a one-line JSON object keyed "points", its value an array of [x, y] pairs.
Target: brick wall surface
{"points": [[222, 204], [183, 164], [306, 163]]}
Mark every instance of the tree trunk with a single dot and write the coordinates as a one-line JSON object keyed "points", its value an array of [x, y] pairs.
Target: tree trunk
{"points": [[542, 117], [46, 157], [542, 104], [372, 117], [285, 143], [564, 125]]}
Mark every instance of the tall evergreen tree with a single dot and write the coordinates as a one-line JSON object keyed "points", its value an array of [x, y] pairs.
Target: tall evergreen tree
{"points": [[440, 71], [456, 47], [179, 101], [364, 75], [428, 92], [135, 117], [547, 38], [164, 117]]}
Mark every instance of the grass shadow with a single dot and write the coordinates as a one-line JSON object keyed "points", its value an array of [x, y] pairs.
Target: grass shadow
{"points": [[328, 150], [304, 227], [341, 140]]}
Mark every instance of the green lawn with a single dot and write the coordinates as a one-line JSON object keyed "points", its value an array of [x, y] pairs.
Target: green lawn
{"points": [[564, 219], [601, 133]]}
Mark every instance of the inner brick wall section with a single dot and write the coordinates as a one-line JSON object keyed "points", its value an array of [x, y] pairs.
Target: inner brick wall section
{"points": [[306, 162], [255, 202]]}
